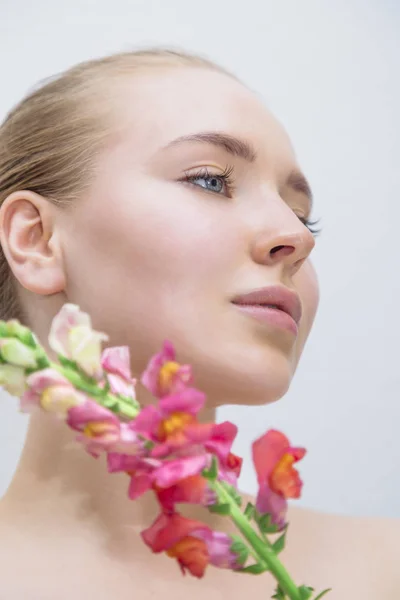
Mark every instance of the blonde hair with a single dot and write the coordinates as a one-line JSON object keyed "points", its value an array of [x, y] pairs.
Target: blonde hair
{"points": [[49, 141]]}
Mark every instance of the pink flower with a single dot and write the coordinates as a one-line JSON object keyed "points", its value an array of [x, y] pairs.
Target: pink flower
{"points": [[116, 363], [101, 430], [192, 543], [72, 336], [219, 548], [167, 423], [194, 489], [174, 427], [174, 481], [52, 392], [163, 375], [230, 468], [273, 459], [140, 469]]}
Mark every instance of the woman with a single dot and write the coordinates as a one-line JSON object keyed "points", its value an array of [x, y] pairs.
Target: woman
{"points": [[159, 194]]}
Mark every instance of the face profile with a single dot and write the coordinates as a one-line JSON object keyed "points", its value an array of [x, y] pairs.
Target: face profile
{"points": [[195, 229]]}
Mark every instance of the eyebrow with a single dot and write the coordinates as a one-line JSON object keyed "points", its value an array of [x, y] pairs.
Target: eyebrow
{"points": [[299, 183], [242, 149], [229, 143]]}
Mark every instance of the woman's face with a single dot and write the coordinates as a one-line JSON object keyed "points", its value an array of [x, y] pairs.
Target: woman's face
{"points": [[198, 200]]}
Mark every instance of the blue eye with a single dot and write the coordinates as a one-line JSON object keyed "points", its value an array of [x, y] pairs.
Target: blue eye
{"points": [[213, 183], [221, 183]]}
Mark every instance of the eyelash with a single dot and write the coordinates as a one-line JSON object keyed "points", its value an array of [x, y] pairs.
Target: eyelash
{"points": [[227, 177], [312, 225]]}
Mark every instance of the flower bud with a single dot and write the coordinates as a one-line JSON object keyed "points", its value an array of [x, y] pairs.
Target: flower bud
{"points": [[17, 330], [12, 379], [14, 352]]}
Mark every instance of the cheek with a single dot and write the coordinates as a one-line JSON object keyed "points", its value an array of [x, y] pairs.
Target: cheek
{"points": [[306, 282], [152, 237]]}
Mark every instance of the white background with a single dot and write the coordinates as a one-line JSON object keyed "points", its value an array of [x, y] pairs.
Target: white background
{"points": [[330, 71]]}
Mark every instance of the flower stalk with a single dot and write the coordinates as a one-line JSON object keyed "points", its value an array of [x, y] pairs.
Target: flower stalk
{"points": [[163, 448]]}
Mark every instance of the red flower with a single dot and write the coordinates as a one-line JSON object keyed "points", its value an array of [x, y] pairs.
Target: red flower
{"points": [[273, 459], [230, 468], [173, 426], [192, 543], [191, 490]]}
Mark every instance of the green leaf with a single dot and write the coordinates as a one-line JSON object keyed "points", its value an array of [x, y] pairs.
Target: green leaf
{"points": [[234, 494], [42, 362], [16, 329], [323, 593], [212, 472], [265, 524], [279, 545], [214, 468], [3, 329], [279, 594], [249, 511], [305, 592], [237, 546], [65, 362], [240, 549], [255, 569], [221, 509]]}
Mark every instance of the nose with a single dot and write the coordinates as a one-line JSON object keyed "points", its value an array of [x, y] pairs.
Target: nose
{"points": [[288, 248]]}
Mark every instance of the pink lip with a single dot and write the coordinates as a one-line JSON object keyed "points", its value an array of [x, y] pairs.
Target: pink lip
{"points": [[285, 312]]}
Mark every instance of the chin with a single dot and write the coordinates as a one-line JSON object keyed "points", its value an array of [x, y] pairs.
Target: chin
{"points": [[254, 381]]}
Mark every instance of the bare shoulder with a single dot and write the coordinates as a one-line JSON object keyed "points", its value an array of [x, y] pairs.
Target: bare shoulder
{"points": [[356, 556]]}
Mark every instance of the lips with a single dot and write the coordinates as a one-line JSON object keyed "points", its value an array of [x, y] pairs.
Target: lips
{"points": [[277, 297]]}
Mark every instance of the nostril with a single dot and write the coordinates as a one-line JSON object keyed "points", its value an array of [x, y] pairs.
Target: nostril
{"points": [[276, 249], [283, 250]]}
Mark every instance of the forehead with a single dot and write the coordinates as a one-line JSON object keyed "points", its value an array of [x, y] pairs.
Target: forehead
{"points": [[160, 104]]}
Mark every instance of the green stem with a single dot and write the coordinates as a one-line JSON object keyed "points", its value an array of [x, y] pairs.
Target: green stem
{"points": [[123, 407], [262, 548]]}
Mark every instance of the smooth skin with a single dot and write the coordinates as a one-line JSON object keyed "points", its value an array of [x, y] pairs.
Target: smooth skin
{"points": [[156, 248]]}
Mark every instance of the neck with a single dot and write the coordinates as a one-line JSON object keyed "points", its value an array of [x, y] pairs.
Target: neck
{"points": [[59, 487]]}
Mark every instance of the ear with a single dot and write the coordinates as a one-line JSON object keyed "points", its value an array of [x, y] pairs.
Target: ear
{"points": [[30, 243]]}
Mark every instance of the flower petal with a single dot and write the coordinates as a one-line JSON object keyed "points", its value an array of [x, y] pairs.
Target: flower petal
{"points": [[163, 375], [221, 440], [219, 548], [169, 529], [192, 490], [276, 505], [68, 317], [267, 451], [150, 376], [90, 412], [121, 386], [13, 379], [285, 479], [72, 336], [117, 360], [229, 470], [147, 422], [139, 484], [188, 400], [51, 391], [85, 349], [172, 471]]}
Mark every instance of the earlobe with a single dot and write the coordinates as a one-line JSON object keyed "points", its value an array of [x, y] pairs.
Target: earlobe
{"points": [[29, 243]]}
